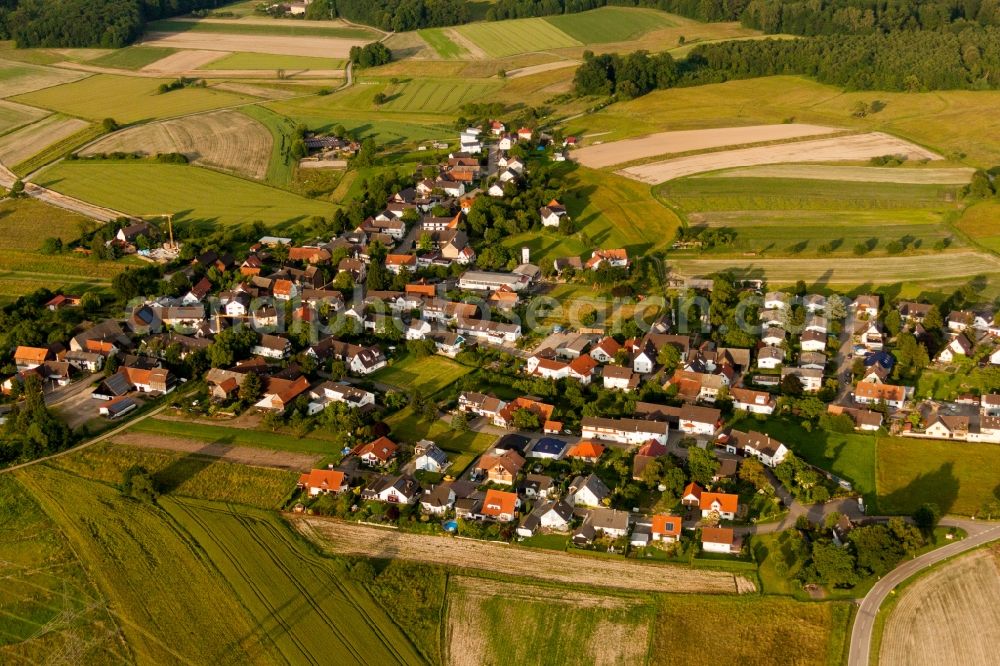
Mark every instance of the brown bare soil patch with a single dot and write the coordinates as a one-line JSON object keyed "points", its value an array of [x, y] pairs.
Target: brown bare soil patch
{"points": [[223, 139], [353, 539], [243, 455], [183, 61], [853, 147], [951, 616], [684, 141]]}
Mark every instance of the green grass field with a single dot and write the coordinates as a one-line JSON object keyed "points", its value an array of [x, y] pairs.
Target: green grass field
{"points": [[959, 477], [462, 447], [194, 582], [981, 223], [506, 38], [848, 455], [18, 77], [441, 43], [272, 61], [427, 375], [611, 24], [14, 115], [239, 436], [192, 192], [436, 96], [127, 99], [281, 165], [185, 475], [50, 607], [307, 29], [133, 57]]}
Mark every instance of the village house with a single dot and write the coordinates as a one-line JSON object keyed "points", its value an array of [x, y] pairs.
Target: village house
{"points": [[548, 448], [813, 341], [376, 453], [541, 410], [439, 499], [755, 402], [402, 489], [958, 346], [623, 431], [272, 346], [665, 528], [645, 454], [617, 377], [327, 393], [697, 420], [605, 350], [501, 468], [768, 450], [695, 386], [26, 358], [776, 300], [552, 213], [611, 523], [810, 379], [323, 481], [691, 495], [870, 393], [279, 393], [500, 506], [720, 540], [866, 306], [551, 515], [614, 258], [724, 505], [769, 358], [587, 451], [480, 404], [587, 491], [427, 457]]}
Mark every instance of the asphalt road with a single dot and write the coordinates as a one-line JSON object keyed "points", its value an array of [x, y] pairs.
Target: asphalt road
{"points": [[980, 532]]}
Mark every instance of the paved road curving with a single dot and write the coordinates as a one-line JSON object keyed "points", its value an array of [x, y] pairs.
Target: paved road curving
{"points": [[980, 532]]}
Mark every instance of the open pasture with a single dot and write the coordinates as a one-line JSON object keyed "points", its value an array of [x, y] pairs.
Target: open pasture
{"points": [[17, 78], [128, 99], [840, 149], [50, 607], [499, 39], [21, 144], [947, 616], [598, 155], [611, 24], [858, 174], [957, 476], [436, 96], [226, 140], [290, 63], [191, 192], [609, 630]]}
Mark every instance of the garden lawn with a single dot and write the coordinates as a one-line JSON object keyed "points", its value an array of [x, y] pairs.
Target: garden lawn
{"points": [[959, 477], [428, 375], [190, 192], [611, 24], [128, 99], [462, 446]]}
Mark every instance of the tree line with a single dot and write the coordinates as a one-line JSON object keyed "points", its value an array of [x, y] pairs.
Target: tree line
{"points": [[86, 23], [901, 61], [397, 15]]}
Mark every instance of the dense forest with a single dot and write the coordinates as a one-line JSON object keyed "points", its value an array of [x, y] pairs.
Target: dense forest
{"points": [[906, 61], [80, 23], [400, 15]]}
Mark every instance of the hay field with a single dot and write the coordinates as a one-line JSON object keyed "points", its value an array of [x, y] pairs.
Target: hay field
{"points": [[128, 99], [570, 625], [981, 222], [13, 115], [354, 539], [181, 61], [187, 189], [17, 78], [318, 47], [27, 141], [855, 174], [949, 616], [226, 140], [506, 38], [611, 24], [271, 61], [849, 271], [436, 96], [132, 57], [443, 42], [601, 155], [839, 149]]}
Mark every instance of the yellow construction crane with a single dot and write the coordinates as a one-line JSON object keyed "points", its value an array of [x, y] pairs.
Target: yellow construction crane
{"points": [[170, 226]]}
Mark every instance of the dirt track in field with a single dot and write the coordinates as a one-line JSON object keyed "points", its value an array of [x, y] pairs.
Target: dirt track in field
{"points": [[354, 539], [951, 616], [224, 139], [684, 141], [320, 47], [538, 69], [243, 455], [855, 147]]}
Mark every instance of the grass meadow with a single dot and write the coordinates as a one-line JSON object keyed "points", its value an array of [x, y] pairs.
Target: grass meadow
{"points": [[191, 192], [981, 223], [133, 57], [443, 45], [281, 165], [50, 607], [957, 476], [272, 61], [127, 99], [506, 38], [436, 96], [611, 24], [261, 439], [427, 375]]}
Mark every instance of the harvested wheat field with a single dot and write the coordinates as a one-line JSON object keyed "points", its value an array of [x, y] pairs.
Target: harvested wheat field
{"points": [[608, 630], [182, 61], [353, 539], [858, 174], [226, 140], [17, 78], [244, 455], [664, 143], [320, 47], [838, 149], [33, 139], [951, 616]]}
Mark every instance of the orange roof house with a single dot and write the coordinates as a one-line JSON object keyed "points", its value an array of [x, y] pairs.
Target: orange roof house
{"points": [[501, 468], [322, 481], [420, 288], [378, 452], [500, 505], [400, 260], [724, 504], [872, 392], [582, 366], [691, 496], [586, 450], [665, 527], [30, 356], [539, 409]]}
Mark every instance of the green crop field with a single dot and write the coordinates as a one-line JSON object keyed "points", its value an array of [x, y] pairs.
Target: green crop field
{"points": [[194, 582], [462, 446], [959, 477], [271, 61], [281, 164], [436, 96], [793, 632], [611, 24], [238, 436], [133, 57], [441, 43], [14, 115], [127, 99], [427, 375], [306, 29], [185, 475], [50, 607], [17, 77], [20, 220], [981, 223], [190, 190], [506, 38], [848, 455]]}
